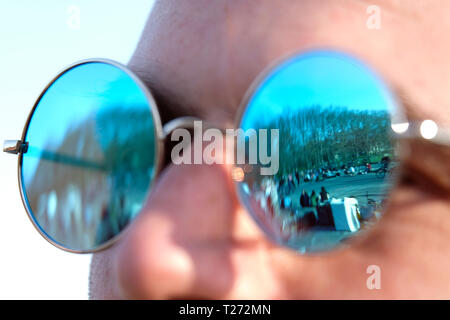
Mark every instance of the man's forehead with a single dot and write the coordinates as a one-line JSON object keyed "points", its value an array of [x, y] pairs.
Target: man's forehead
{"points": [[200, 57]]}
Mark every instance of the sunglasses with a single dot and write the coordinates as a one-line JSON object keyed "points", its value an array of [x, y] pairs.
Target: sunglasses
{"points": [[93, 145]]}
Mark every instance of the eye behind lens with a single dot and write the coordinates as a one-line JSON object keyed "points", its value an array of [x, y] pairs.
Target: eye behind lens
{"points": [[329, 151], [92, 155]]}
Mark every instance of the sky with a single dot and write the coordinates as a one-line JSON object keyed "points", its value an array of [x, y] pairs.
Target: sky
{"points": [[39, 39], [77, 97], [321, 78]]}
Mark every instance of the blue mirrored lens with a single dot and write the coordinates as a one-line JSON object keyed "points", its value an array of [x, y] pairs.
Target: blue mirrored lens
{"points": [[332, 157], [91, 156]]}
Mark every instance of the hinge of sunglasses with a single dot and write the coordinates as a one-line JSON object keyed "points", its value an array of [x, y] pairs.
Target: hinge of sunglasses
{"points": [[15, 146]]}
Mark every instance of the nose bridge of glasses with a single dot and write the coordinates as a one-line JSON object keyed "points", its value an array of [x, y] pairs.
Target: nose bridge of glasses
{"points": [[15, 146], [185, 123]]}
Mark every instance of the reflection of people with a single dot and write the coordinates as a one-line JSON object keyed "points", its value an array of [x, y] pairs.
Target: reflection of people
{"points": [[304, 199], [314, 199], [307, 177], [385, 162], [286, 202], [193, 239], [324, 196]]}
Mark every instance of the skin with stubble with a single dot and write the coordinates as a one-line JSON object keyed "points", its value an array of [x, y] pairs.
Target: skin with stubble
{"points": [[193, 238]]}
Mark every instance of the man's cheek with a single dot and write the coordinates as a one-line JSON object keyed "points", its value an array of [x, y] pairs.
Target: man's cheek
{"points": [[101, 283]]}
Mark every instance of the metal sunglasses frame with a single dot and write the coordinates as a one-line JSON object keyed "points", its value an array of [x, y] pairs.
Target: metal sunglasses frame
{"points": [[412, 130], [408, 129]]}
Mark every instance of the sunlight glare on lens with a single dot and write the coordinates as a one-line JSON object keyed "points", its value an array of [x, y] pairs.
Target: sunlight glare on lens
{"points": [[428, 129], [238, 174], [400, 128]]}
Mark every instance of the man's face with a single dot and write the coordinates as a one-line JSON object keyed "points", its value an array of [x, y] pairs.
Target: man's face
{"points": [[193, 239]]}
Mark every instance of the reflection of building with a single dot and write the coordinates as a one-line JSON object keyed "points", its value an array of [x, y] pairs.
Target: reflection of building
{"points": [[95, 181]]}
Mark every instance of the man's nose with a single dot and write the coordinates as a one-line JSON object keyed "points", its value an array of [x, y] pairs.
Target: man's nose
{"points": [[179, 246]]}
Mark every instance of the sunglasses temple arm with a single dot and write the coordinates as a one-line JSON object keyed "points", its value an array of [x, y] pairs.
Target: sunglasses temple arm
{"points": [[14, 146], [17, 146]]}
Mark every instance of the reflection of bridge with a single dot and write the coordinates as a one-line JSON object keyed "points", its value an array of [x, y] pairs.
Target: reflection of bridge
{"points": [[64, 159]]}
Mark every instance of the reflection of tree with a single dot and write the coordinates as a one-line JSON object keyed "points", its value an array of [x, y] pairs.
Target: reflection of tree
{"points": [[127, 140], [126, 137], [314, 137]]}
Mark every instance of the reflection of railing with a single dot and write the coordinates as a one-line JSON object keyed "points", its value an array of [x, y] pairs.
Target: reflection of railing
{"points": [[63, 159]]}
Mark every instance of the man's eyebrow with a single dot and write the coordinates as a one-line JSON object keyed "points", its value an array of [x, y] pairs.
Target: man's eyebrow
{"points": [[413, 110], [169, 107], [168, 103], [171, 104]]}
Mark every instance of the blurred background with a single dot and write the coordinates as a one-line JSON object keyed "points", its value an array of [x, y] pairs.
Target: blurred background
{"points": [[37, 40]]}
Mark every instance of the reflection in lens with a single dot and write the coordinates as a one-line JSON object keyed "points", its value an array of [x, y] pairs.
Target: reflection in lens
{"points": [[91, 156], [336, 157]]}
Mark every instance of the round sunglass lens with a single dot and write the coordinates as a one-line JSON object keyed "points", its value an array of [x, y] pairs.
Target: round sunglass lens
{"points": [[91, 156], [323, 160]]}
